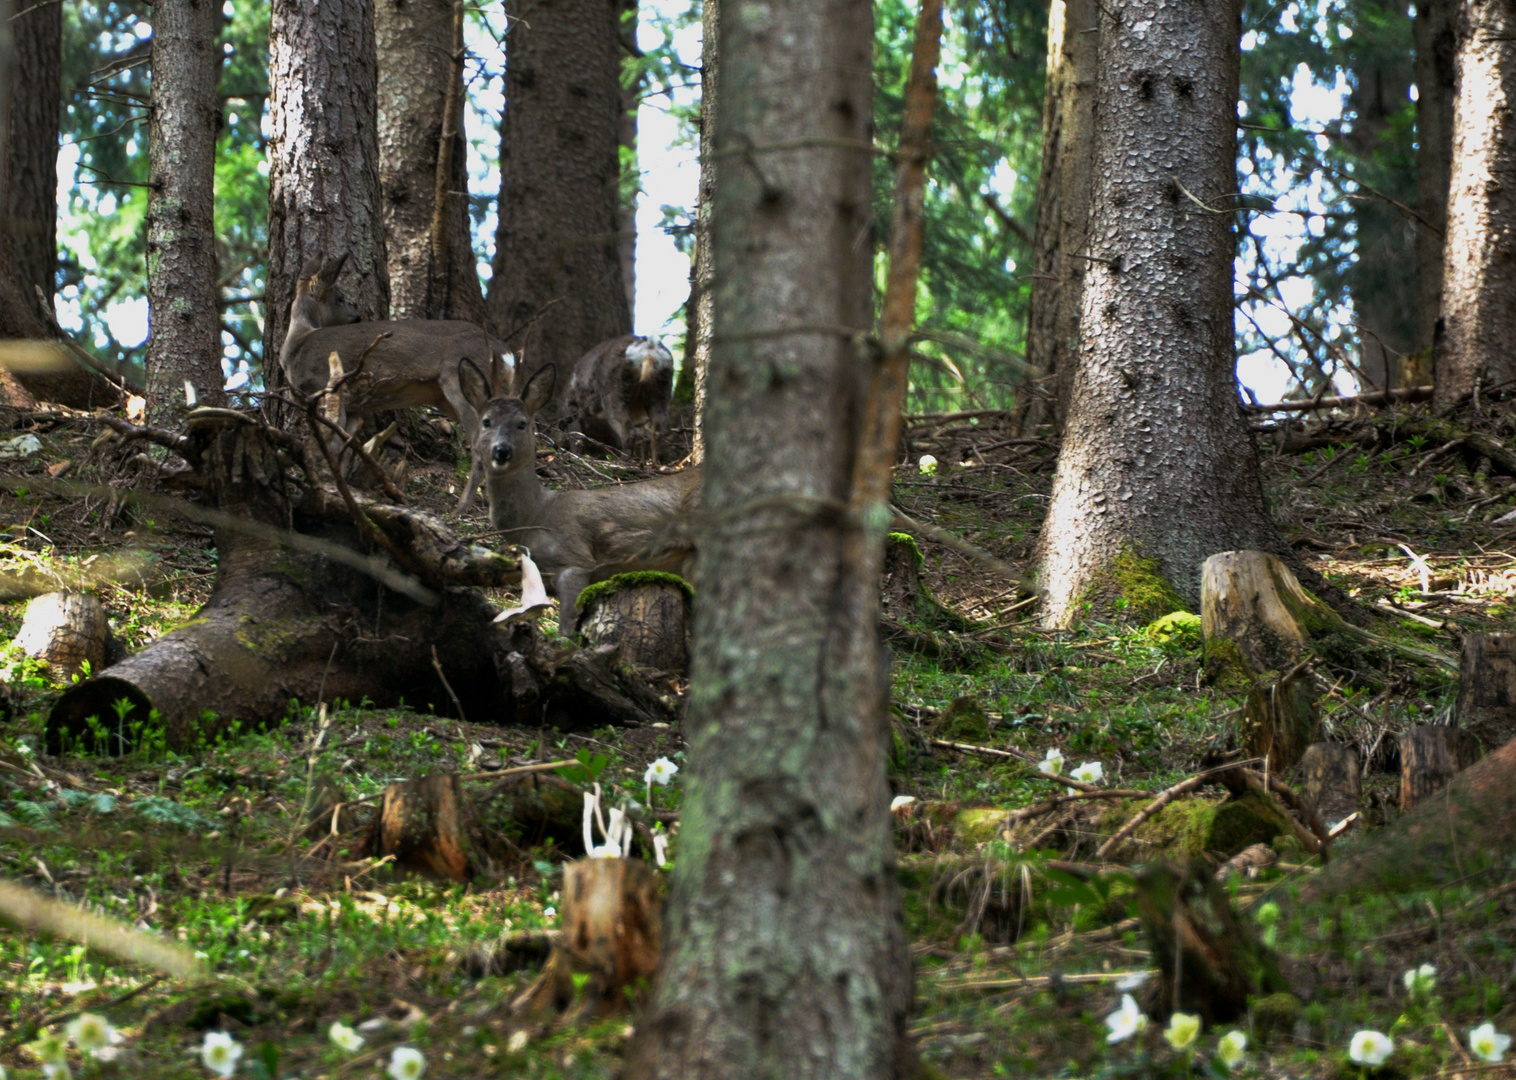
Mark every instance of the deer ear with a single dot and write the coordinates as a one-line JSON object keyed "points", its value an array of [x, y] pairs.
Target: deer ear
{"points": [[476, 387], [539, 389], [331, 270], [311, 268]]}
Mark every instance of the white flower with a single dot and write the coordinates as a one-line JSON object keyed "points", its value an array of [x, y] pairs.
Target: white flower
{"points": [[56, 1070], [1419, 981], [1091, 772], [91, 1033], [517, 1042], [927, 465], [345, 1037], [50, 1048], [1182, 1029], [220, 1052], [660, 771], [1125, 1021], [1370, 1047], [900, 802], [605, 851], [549, 913], [1053, 762], [406, 1063], [1231, 1048], [1487, 1044], [661, 848]]}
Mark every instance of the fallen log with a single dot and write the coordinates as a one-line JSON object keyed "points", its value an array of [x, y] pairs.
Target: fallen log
{"points": [[1376, 397]]}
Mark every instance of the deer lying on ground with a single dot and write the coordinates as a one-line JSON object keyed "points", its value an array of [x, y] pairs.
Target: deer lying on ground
{"points": [[415, 364], [621, 385], [580, 537]]}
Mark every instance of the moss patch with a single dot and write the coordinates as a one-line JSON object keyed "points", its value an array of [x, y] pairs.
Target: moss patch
{"points": [[632, 580], [964, 720], [1181, 628], [1193, 827], [1226, 668], [906, 540], [979, 826], [1131, 588]]}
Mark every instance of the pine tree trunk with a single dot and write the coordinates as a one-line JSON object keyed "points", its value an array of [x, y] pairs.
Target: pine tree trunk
{"points": [[28, 157], [1436, 55], [415, 44], [1478, 339], [183, 314], [785, 955], [626, 141], [323, 155], [557, 290], [1156, 462], [1063, 207], [703, 272]]}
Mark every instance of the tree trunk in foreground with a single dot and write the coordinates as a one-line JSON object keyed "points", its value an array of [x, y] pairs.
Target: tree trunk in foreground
{"points": [[323, 185], [1063, 207], [183, 314], [1435, 30], [28, 157], [1478, 339], [786, 955], [1156, 466], [701, 317], [557, 290], [415, 43], [626, 142]]}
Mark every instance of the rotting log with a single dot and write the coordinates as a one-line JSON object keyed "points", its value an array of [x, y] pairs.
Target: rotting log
{"points": [[1487, 688], [1210, 962], [69, 632], [612, 932], [427, 825], [643, 618], [1333, 781], [1430, 756]]}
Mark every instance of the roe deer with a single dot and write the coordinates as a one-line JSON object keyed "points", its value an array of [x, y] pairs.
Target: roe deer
{"points": [[578, 536], [619, 385], [416, 364]]}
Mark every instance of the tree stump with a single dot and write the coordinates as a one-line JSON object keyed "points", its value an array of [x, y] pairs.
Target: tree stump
{"points": [[1487, 687], [1220, 961], [428, 827], [1279, 720], [1430, 756], [1251, 599], [612, 931], [66, 630], [644, 616], [1333, 781]]}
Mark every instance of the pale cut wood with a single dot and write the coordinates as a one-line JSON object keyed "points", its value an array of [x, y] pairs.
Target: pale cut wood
{"points": [[1333, 781], [66, 630], [1487, 688], [1430, 756], [1252, 599]]}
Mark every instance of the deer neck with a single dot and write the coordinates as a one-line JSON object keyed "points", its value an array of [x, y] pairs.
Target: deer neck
{"points": [[517, 498], [301, 327]]}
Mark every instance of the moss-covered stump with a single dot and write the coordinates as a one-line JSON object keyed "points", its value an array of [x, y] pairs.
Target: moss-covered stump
{"points": [[644, 616], [1209, 960], [964, 720], [1252, 599], [1188, 828]]}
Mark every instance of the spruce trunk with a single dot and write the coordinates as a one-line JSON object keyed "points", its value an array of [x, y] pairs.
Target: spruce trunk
{"points": [[1436, 55]]}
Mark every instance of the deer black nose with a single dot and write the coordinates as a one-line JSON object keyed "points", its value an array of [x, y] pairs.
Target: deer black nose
{"points": [[501, 453]]}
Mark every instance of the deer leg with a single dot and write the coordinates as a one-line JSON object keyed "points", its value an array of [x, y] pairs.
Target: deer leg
{"points": [[571, 582], [618, 420], [475, 478]]}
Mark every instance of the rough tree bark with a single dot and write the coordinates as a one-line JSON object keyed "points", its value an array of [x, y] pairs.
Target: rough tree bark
{"points": [[626, 140], [1156, 463], [184, 319], [323, 195], [557, 290], [1063, 207], [1478, 338], [28, 157], [785, 953], [703, 270], [415, 46], [1436, 39]]}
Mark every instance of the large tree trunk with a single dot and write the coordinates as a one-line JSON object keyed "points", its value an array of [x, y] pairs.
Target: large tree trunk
{"points": [[1478, 338], [416, 46], [703, 271], [626, 141], [1435, 30], [1063, 207], [785, 955], [183, 314], [1156, 463], [323, 194], [28, 158], [557, 290]]}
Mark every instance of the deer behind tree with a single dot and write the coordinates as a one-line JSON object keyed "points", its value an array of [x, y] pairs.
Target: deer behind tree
{"points": [[619, 386]]}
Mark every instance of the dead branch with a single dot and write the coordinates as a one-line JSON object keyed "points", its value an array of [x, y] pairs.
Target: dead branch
{"points": [[1376, 397]]}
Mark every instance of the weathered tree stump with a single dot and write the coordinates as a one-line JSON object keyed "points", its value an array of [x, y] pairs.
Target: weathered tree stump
{"points": [[66, 630], [1279, 719], [1251, 599], [1430, 756], [1333, 781], [428, 826], [1220, 961], [612, 932], [644, 616], [1487, 687]]}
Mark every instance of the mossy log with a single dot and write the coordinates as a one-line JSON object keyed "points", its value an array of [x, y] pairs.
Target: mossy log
{"points": [[428, 826], [1487, 687], [69, 632], [1333, 781], [612, 914], [1209, 960], [1430, 756], [644, 617]]}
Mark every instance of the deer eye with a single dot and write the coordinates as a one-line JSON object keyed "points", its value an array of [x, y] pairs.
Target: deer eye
{"points": [[520, 425], [485, 422]]}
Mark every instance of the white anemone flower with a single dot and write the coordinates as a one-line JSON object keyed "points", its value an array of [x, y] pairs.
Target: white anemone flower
{"points": [[1419, 981], [900, 802], [91, 1033], [57, 1070], [50, 1048], [1231, 1049], [1370, 1048], [1182, 1030], [406, 1063], [1091, 772], [1125, 1021], [1053, 762], [220, 1052], [345, 1037], [927, 465], [1487, 1044], [661, 771]]}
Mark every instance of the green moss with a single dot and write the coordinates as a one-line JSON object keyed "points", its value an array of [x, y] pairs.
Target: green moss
{"points": [[633, 580], [1274, 1016], [964, 720], [1132, 589], [1226, 668], [1188, 827], [906, 540], [1180, 628], [980, 826], [1240, 823]]}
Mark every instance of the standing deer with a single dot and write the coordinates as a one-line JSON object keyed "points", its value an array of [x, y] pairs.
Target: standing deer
{"points": [[580, 537], [620, 385], [415, 363]]}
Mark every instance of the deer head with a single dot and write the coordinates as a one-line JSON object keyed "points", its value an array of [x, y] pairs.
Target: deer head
{"points": [[318, 302], [507, 439]]}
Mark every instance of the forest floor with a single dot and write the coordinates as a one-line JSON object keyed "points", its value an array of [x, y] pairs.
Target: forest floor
{"points": [[1023, 944]]}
